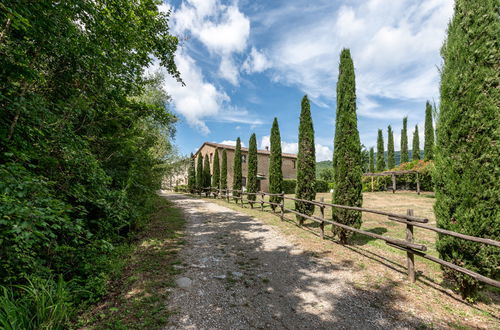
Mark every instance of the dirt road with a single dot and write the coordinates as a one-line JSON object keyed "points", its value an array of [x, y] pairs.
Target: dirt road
{"points": [[239, 273]]}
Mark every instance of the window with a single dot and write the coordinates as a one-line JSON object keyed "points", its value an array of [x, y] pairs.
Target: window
{"points": [[211, 154], [244, 181], [293, 163], [243, 158]]}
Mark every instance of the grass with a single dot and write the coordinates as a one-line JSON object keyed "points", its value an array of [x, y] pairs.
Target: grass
{"points": [[137, 297]]}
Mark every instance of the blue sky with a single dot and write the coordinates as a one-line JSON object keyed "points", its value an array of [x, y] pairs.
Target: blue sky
{"points": [[246, 62]]}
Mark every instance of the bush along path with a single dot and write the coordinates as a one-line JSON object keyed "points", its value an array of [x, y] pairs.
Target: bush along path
{"points": [[136, 298]]}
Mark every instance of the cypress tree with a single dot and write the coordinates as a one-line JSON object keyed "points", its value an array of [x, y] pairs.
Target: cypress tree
{"points": [[252, 167], [199, 172], [192, 175], [206, 172], [404, 142], [237, 176], [380, 152], [275, 172], [216, 171], [223, 170], [347, 151], [372, 160], [415, 153], [391, 161], [306, 162], [429, 133], [466, 158]]}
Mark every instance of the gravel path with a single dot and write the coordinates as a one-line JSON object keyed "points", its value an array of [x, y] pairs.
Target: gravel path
{"points": [[239, 273]]}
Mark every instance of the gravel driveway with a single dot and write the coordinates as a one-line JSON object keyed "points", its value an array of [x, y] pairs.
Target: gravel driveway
{"points": [[239, 273]]}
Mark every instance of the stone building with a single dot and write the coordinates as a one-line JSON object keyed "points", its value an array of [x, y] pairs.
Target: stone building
{"points": [[289, 162]]}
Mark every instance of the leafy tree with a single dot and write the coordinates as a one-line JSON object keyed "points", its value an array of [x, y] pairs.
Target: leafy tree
{"points": [[365, 159], [216, 170], [237, 175], [415, 153], [223, 170], [275, 171], [326, 174], [466, 159], [404, 158], [429, 133], [380, 152], [252, 167], [199, 172], [347, 151], [206, 172], [306, 162], [372, 160], [391, 161], [192, 174]]}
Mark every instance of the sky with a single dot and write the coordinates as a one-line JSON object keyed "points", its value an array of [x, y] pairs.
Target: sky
{"points": [[245, 62]]}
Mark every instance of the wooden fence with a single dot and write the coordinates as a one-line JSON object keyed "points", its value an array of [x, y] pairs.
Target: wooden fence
{"points": [[409, 219]]}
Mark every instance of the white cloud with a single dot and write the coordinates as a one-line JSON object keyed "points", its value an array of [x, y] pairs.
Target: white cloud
{"points": [[255, 62], [228, 70], [322, 152], [232, 143]]}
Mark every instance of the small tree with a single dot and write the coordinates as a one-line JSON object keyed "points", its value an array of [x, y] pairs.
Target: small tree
{"points": [[199, 172], [404, 158], [380, 152], [275, 171], [252, 167], [223, 171], [237, 176], [372, 160], [391, 161], [415, 153], [347, 160], [206, 174], [429, 133], [306, 162], [192, 175], [216, 171]]}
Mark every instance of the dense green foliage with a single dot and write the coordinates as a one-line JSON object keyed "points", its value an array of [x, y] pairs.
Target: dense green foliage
{"points": [[223, 170], [237, 175], [467, 150], [252, 167], [199, 172], [326, 174], [429, 133], [321, 186], [306, 161], [275, 172], [415, 151], [207, 177], [320, 166], [192, 174], [404, 142], [289, 186], [371, 160], [347, 162], [216, 171], [391, 160], [380, 152]]}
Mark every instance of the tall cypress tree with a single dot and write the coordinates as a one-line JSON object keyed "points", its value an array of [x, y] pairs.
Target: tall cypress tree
{"points": [[192, 175], [237, 176], [252, 167], [275, 171], [429, 133], [466, 158], [372, 160], [347, 151], [199, 172], [380, 152], [306, 162], [404, 158], [223, 170], [206, 172], [391, 161], [415, 152], [216, 171]]}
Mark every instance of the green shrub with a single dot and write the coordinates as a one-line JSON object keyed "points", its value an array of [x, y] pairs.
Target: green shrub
{"points": [[181, 188], [322, 186], [289, 186]]}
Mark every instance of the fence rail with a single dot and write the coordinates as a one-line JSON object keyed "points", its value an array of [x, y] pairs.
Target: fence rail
{"points": [[409, 219]]}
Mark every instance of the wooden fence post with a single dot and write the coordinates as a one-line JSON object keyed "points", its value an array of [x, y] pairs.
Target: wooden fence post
{"points": [[227, 195], [262, 202], [393, 183], [418, 185], [372, 183], [282, 205], [322, 224], [410, 257]]}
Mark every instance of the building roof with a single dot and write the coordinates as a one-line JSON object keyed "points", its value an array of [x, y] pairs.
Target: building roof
{"points": [[225, 146]]}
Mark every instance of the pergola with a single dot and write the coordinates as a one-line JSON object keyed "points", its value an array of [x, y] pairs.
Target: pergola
{"points": [[393, 174]]}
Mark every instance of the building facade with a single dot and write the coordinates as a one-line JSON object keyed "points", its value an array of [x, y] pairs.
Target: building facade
{"points": [[288, 168]]}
